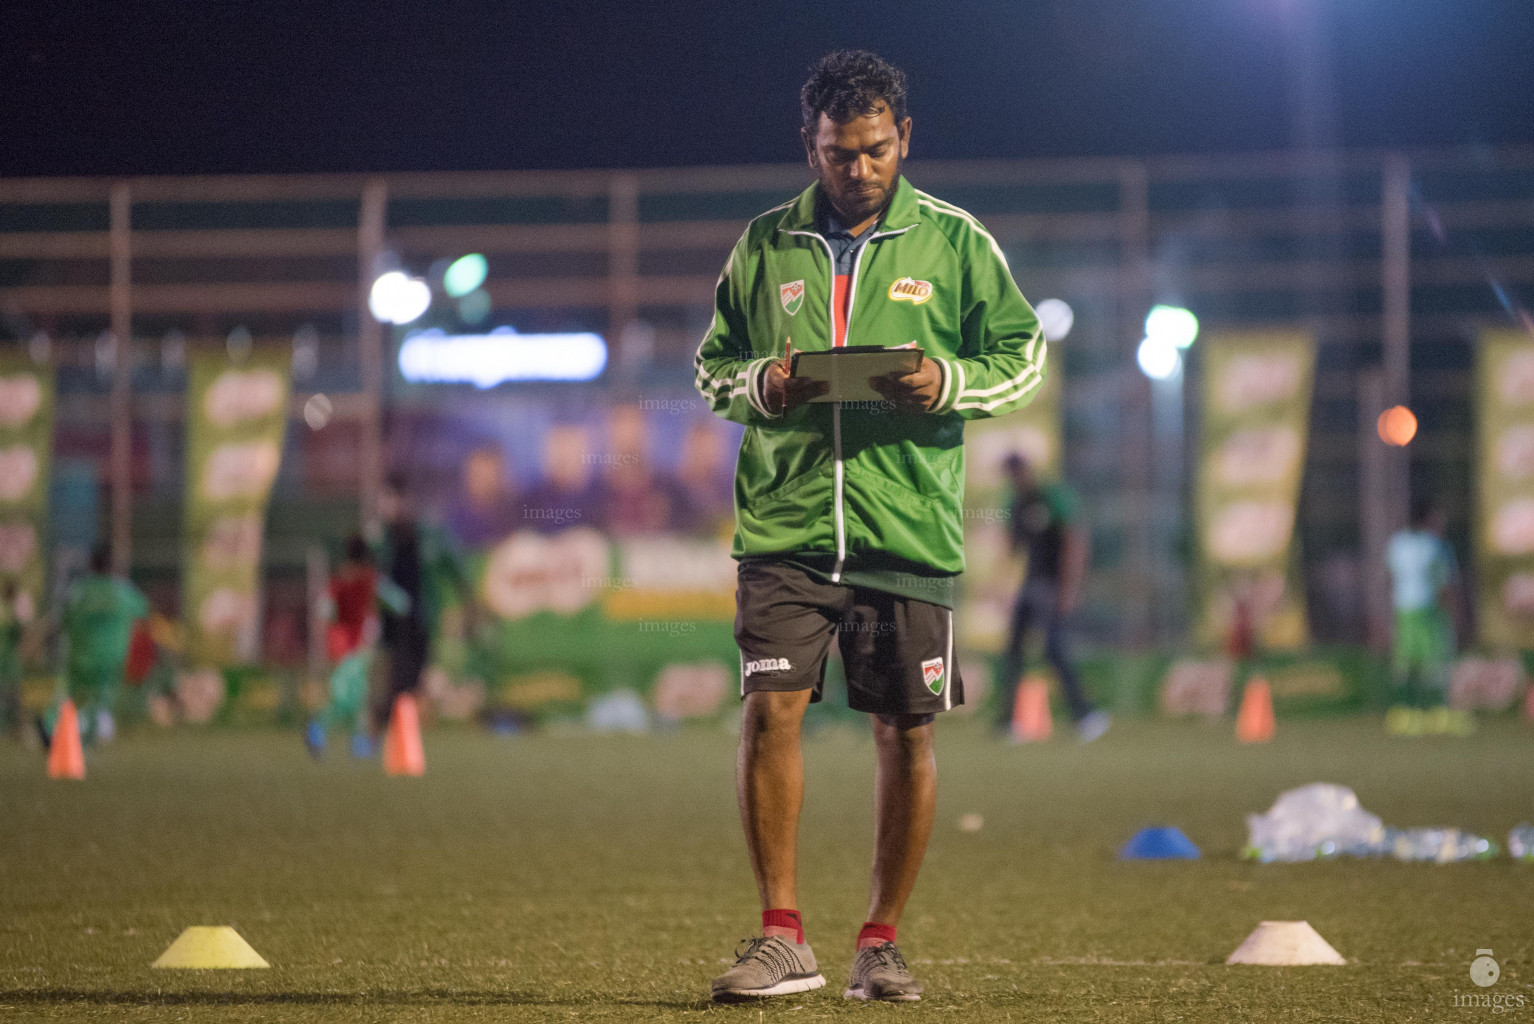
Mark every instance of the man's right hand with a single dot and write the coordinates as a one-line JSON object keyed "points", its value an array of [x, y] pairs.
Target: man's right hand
{"points": [[783, 392]]}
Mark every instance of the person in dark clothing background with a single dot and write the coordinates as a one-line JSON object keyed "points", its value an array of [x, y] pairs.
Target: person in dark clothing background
{"points": [[1045, 525], [421, 563]]}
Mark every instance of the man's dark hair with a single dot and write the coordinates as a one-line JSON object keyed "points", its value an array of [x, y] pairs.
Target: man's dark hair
{"points": [[1422, 512], [850, 83], [101, 559]]}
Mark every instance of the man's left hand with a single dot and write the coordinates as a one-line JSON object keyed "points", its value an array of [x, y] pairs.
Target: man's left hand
{"points": [[911, 392]]}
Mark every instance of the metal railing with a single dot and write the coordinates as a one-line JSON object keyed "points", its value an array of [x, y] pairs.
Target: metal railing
{"points": [[1394, 261]]}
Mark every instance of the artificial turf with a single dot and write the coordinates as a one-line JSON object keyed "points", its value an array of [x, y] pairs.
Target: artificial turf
{"points": [[604, 878]]}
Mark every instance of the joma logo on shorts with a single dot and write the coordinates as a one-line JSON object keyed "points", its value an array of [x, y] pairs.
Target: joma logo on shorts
{"points": [[767, 665]]}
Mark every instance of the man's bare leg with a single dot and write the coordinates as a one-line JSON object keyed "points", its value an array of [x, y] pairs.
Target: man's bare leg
{"points": [[769, 782], [905, 802]]}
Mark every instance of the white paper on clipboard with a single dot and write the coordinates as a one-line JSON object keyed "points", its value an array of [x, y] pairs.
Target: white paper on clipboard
{"points": [[846, 371]]}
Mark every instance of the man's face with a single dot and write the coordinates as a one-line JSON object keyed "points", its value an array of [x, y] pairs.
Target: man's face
{"points": [[858, 162]]}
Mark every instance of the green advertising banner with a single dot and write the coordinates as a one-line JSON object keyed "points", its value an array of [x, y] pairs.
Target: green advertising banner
{"points": [[1257, 388], [1504, 532], [991, 575], [236, 417], [26, 455], [575, 613]]}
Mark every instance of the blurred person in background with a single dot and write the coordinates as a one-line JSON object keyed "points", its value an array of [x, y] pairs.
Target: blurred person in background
{"points": [[425, 574], [1044, 524], [1423, 575], [636, 501], [706, 492], [350, 640], [98, 617], [483, 512], [13, 626], [567, 495], [849, 520]]}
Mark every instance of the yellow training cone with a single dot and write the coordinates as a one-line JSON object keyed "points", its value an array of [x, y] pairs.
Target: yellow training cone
{"points": [[210, 947]]}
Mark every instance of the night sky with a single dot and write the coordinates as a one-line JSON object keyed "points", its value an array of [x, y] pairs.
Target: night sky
{"points": [[247, 86]]}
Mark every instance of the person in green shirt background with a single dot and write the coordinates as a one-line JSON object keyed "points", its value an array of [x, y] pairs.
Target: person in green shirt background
{"points": [[1423, 576], [13, 623], [1045, 525], [97, 620]]}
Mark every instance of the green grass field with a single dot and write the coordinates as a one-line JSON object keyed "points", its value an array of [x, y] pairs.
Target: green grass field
{"points": [[603, 878]]}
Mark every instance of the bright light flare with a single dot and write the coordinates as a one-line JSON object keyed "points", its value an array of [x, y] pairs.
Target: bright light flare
{"points": [[317, 411], [1397, 426], [1159, 358], [1055, 318], [1172, 324], [485, 360], [398, 298], [465, 274]]}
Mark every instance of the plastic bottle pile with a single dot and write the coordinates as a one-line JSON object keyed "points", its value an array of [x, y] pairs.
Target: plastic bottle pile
{"points": [[1323, 820], [1520, 842]]}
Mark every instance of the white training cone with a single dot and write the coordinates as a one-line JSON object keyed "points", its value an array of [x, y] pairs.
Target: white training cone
{"points": [[207, 947], [1285, 944]]}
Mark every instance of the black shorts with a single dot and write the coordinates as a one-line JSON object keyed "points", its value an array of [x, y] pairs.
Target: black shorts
{"points": [[898, 651]]}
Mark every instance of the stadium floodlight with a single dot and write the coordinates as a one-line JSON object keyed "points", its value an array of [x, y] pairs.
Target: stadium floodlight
{"points": [[1173, 323], [1056, 318], [398, 298], [1159, 358], [465, 274], [485, 360]]}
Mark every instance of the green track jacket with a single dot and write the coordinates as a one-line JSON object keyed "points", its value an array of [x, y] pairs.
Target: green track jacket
{"points": [[865, 484]]}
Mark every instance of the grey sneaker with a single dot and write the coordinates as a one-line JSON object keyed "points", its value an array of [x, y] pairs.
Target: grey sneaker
{"points": [[880, 972], [768, 967]]}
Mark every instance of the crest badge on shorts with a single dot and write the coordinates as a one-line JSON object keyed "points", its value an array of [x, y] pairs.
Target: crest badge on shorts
{"points": [[792, 296], [932, 674]]}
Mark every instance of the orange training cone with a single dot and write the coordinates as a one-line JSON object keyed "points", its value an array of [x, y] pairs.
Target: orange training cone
{"points": [[1254, 722], [65, 758], [1030, 712], [402, 754]]}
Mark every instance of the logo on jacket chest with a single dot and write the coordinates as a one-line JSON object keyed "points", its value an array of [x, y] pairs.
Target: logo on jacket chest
{"points": [[792, 296], [908, 289]]}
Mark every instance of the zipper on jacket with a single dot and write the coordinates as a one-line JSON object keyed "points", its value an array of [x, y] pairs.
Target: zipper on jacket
{"points": [[836, 407]]}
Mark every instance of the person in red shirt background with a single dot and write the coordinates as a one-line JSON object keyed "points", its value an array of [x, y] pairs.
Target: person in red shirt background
{"points": [[350, 640]]}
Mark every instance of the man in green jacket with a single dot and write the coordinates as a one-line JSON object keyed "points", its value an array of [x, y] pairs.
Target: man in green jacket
{"points": [[849, 520]]}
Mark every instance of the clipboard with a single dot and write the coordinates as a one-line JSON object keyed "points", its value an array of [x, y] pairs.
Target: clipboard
{"points": [[846, 370]]}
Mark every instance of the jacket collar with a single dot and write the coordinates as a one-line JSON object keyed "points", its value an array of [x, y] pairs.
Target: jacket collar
{"points": [[902, 213]]}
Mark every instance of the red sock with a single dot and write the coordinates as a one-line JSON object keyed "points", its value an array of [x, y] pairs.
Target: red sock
{"points": [[875, 934], [784, 919]]}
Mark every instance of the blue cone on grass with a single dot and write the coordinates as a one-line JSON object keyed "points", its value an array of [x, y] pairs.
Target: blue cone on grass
{"points": [[1159, 844]]}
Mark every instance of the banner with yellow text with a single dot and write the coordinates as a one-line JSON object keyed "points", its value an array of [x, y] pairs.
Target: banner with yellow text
{"points": [[1504, 531], [1256, 424], [26, 456], [237, 415]]}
